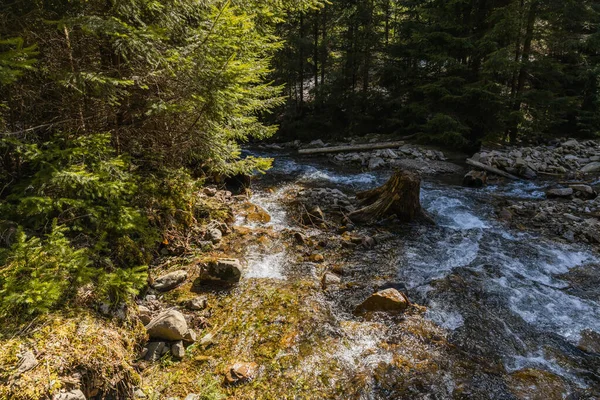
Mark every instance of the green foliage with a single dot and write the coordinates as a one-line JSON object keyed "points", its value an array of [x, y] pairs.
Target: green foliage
{"points": [[38, 273], [15, 59]]}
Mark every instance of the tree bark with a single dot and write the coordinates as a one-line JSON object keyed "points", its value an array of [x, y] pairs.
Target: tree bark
{"points": [[399, 196]]}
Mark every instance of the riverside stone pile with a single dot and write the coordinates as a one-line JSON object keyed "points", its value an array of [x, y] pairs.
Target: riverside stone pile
{"points": [[570, 156], [388, 158]]}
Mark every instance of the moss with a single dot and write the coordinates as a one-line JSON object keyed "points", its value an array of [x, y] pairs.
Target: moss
{"points": [[97, 349]]}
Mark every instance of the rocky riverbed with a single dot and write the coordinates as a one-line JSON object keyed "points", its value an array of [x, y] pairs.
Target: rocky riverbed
{"points": [[281, 296]]}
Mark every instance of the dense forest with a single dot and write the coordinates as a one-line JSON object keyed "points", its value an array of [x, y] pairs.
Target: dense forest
{"points": [[455, 72]]}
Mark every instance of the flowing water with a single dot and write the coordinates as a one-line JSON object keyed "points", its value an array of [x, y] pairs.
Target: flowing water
{"points": [[502, 297]]}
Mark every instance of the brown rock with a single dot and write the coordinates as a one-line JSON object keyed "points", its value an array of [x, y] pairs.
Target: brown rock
{"points": [[169, 325], [240, 372], [590, 341], [390, 300]]}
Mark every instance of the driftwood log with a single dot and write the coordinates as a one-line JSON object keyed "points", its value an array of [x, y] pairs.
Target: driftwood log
{"points": [[399, 196], [493, 170], [357, 147]]}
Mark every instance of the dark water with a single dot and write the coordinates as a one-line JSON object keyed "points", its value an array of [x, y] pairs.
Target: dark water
{"points": [[503, 297]]}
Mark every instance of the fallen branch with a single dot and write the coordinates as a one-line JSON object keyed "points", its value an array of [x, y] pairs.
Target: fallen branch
{"points": [[493, 170], [357, 147]]}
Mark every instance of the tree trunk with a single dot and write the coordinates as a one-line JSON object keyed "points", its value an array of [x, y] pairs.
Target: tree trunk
{"points": [[316, 54], [301, 63], [399, 196], [531, 17]]}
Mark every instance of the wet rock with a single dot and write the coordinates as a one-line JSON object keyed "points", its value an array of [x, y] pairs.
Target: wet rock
{"points": [[299, 238], [537, 384], [505, 215], [223, 269], [390, 300], [475, 179], [591, 167], [584, 191], [70, 395], [330, 279], [170, 281], [257, 214], [145, 314], [240, 372], [169, 325], [177, 350], [197, 303], [590, 341], [153, 351], [559, 193], [27, 361], [313, 216], [376, 163], [214, 235]]}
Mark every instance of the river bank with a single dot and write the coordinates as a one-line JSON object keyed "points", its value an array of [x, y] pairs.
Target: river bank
{"points": [[496, 311]]}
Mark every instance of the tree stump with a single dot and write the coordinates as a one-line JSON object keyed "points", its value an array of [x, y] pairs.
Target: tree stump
{"points": [[399, 196]]}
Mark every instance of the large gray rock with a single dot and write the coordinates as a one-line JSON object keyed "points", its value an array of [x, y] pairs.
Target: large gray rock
{"points": [[591, 167], [223, 269], [169, 325], [153, 351], [71, 395], [559, 192], [584, 191], [170, 281], [376, 163]]}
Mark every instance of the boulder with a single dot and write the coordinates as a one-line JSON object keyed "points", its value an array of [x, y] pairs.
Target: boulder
{"points": [[389, 300], [177, 349], [584, 191], [376, 163], [169, 325], [145, 314], [70, 395], [591, 167], [153, 351], [330, 279], [197, 303], [223, 269], [475, 179], [214, 235], [559, 193], [170, 281], [240, 372]]}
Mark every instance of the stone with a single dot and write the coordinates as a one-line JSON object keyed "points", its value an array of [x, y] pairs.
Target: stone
{"points": [[318, 258], [27, 361], [139, 394], [559, 193], [177, 349], [570, 143], [475, 179], [192, 396], [590, 341], [214, 235], [505, 215], [376, 163], [330, 279], [223, 269], [300, 238], [190, 336], [584, 191], [170, 281], [315, 144], [390, 300], [197, 303], [145, 314], [70, 395], [368, 242], [153, 351], [169, 325], [207, 340], [209, 191], [240, 372], [591, 167], [313, 216], [257, 214]]}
